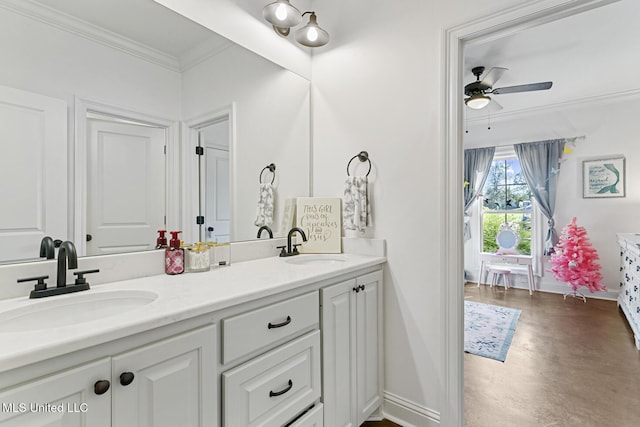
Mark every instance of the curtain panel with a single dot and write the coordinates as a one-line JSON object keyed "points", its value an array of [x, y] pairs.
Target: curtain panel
{"points": [[476, 161], [540, 163]]}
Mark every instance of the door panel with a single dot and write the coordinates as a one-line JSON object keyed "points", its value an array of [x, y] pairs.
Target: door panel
{"points": [[126, 188], [33, 130], [217, 200]]}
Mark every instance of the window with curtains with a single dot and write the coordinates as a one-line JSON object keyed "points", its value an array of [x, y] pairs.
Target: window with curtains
{"points": [[506, 199]]}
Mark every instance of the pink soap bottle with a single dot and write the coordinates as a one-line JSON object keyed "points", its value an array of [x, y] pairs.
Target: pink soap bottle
{"points": [[174, 255], [161, 241]]}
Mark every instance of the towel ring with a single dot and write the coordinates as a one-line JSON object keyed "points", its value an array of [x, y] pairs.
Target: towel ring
{"points": [[363, 156], [272, 168]]}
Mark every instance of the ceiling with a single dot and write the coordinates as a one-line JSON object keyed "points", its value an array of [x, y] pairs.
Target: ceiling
{"points": [[162, 29], [591, 54]]}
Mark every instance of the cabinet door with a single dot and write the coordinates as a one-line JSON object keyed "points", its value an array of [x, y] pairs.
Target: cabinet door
{"points": [[338, 353], [64, 399], [369, 345], [173, 384]]}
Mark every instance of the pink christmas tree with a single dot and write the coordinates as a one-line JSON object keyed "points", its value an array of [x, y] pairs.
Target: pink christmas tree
{"points": [[574, 260]]}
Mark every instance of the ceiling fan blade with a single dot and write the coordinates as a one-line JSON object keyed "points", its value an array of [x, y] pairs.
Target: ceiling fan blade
{"points": [[522, 88], [495, 106], [493, 76]]}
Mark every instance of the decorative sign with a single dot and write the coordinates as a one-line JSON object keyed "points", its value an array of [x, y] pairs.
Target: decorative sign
{"points": [[603, 178], [321, 220]]}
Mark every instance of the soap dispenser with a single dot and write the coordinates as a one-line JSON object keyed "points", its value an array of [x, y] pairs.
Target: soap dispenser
{"points": [[174, 255], [161, 242]]}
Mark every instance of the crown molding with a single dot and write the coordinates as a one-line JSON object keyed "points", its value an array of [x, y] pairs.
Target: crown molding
{"points": [[89, 31], [607, 98]]}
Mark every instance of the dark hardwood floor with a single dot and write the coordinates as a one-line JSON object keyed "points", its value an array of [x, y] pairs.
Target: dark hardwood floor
{"points": [[383, 423], [570, 364]]}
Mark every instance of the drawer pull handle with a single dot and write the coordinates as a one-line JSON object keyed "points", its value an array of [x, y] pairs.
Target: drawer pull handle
{"points": [[281, 392], [279, 325]]}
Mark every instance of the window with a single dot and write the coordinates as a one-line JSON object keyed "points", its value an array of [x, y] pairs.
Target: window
{"points": [[506, 199]]}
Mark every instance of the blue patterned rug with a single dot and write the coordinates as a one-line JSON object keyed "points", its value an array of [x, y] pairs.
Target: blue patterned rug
{"points": [[488, 329]]}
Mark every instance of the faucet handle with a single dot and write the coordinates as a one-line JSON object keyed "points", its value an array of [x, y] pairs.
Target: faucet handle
{"points": [[80, 280], [283, 250], [295, 247], [41, 285]]}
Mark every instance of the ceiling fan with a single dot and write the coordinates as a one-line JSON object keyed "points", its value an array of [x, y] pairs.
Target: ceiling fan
{"points": [[479, 90]]}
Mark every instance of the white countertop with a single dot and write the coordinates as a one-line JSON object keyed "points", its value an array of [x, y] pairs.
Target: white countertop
{"points": [[180, 297]]}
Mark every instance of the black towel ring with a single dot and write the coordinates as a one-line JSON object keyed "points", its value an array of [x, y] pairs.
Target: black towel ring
{"points": [[272, 168], [363, 156]]}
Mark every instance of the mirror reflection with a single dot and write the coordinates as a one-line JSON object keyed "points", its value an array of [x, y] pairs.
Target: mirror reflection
{"points": [[102, 106]]}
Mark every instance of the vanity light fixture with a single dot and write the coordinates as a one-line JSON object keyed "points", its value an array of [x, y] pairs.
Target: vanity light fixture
{"points": [[311, 35], [283, 16], [477, 101]]}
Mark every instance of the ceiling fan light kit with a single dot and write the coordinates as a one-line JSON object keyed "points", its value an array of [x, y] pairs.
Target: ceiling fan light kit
{"points": [[478, 92], [283, 16]]}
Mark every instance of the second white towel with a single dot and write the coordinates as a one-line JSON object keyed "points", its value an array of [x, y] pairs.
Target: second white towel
{"points": [[265, 205], [355, 213]]}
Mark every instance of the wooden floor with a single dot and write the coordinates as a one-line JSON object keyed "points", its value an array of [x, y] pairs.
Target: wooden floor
{"points": [[570, 364], [383, 423]]}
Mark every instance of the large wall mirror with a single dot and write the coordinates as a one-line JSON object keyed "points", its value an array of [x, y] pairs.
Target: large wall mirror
{"points": [[102, 106]]}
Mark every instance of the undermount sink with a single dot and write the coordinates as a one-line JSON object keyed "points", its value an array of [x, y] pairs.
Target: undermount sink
{"points": [[316, 259], [72, 309]]}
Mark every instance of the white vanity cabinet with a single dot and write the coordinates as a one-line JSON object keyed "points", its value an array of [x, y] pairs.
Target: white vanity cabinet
{"points": [[65, 399], [352, 350], [167, 383], [283, 377]]}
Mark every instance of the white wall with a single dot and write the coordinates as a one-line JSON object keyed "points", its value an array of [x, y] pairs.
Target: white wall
{"points": [[609, 126], [378, 87], [41, 58], [271, 126]]}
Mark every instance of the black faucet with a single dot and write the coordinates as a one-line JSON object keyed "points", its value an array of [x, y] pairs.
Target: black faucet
{"points": [[265, 228], [289, 251], [47, 248], [66, 256], [66, 253]]}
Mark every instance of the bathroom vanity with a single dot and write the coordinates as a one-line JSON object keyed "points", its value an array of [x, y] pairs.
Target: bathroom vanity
{"points": [[267, 342], [630, 281]]}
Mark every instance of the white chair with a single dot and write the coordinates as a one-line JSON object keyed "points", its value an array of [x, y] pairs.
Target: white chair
{"points": [[498, 271]]}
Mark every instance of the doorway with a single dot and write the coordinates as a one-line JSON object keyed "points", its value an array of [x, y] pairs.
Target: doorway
{"points": [[493, 26], [215, 201]]}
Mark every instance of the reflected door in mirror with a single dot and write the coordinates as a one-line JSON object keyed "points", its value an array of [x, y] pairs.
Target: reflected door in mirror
{"points": [[216, 196], [33, 171], [126, 188]]}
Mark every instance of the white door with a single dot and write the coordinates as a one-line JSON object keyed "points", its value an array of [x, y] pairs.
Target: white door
{"points": [[215, 196], [369, 347], [338, 354], [126, 186], [217, 212], [33, 131], [167, 384], [66, 399]]}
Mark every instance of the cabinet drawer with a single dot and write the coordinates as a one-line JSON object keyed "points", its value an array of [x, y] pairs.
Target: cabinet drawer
{"points": [[312, 418], [273, 388], [264, 327]]}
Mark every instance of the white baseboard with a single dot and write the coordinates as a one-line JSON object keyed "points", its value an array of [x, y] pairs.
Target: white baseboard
{"points": [[408, 414]]}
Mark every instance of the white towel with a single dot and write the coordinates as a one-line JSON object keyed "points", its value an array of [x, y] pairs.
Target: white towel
{"points": [[355, 213], [265, 205]]}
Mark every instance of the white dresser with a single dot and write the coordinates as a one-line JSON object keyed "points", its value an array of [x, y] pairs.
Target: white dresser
{"points": [[630, 281]]}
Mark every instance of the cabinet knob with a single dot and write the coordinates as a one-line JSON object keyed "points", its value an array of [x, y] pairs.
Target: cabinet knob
{"points": [[101, 387], [356, 289], [361, 287], [126, 378]]}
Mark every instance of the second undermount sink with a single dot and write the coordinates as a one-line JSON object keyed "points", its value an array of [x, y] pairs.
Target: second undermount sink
{"points": [[72, 309], [316, 259]]}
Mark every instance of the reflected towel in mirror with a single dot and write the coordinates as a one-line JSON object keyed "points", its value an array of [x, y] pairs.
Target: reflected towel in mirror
{"points": [[265, 205], [355, 211]]}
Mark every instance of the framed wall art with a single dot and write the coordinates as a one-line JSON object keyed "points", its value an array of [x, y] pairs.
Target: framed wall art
{"points": [[603, 178]]}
